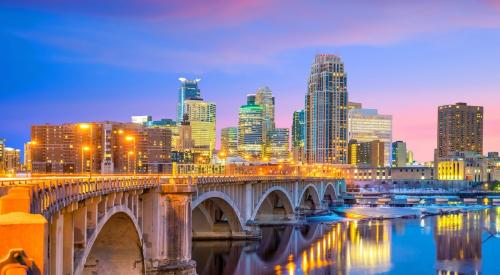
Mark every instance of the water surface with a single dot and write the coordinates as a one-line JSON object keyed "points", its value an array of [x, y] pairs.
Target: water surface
{"points": [[466, 243]]}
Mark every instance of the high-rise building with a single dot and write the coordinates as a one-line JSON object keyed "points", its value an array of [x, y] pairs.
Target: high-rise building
{"points": [[12, 160], [399, 154], [250, 130], [201, 116], [326, 111], [277, 147], [264, 97], [229, 141], [298, 135], [367, 125], [460, 128], [188, 90]]}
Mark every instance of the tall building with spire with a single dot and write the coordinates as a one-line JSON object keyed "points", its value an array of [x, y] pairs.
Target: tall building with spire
{"points": [[188, 90], [326, 111]]}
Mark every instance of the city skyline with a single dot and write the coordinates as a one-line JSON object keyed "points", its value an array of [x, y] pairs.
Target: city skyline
{"points": [[416, 63]]}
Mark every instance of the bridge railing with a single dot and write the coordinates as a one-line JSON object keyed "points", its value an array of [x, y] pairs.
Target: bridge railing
{"points": [[51, 194]]}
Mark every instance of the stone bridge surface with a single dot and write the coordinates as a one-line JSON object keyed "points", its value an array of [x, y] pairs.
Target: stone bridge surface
{"points": [[142, 224]]}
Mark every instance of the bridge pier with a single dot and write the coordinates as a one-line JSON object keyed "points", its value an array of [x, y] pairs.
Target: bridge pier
{"points": [[170, 231]]}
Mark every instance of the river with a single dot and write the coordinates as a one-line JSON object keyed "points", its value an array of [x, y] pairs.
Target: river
{"points": [[465, 243]]}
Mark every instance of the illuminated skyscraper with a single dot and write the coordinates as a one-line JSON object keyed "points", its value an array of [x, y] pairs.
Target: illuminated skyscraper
{"points": [[250, 130], [460, 129], [188, 90], [229, 141], [201, 116], [298, 135], [326, 111], [367, 125], [264, 98]]}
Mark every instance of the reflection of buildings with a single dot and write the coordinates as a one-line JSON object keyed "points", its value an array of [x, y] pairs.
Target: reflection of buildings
{"points": [[458, 243], [349, 247]]}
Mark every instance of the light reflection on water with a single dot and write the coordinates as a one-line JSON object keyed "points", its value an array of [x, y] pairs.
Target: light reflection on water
{"points": [[452, 244]]}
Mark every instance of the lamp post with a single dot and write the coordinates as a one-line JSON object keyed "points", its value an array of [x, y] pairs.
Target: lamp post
{"points": [[84, 127]]}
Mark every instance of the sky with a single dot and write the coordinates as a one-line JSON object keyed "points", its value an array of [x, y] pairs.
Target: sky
{"points": [[75, 61]]}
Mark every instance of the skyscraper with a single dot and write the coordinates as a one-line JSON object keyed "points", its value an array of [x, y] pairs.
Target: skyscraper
{"points": [[460, 129], [264, 98], [250, 130], [229, 141], [188, 90], [326, 111], [298, 134], [367, 125], [399, 154], [201, 116]]}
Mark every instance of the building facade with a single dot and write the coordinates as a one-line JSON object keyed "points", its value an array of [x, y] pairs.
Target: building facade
{"points": [[104, 147], [264, 97], [399, 154], [326, 111], [298, 135], [201, 116], [250, 130], [460, 129], [277, 147], [369, 154], [229, 141], [367, 125], [188, 90], [11, 160]]}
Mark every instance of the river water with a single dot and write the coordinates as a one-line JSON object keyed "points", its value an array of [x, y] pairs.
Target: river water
{"points": [[467, 243]]}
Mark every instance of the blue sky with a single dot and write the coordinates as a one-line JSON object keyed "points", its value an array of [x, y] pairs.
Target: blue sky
{"points": [[71, 61]]}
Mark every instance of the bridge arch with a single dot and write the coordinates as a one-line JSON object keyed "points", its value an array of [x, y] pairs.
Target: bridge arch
{"points": [[276, 201], [329, 194], [216, 214], [309, 198], [115, 247]]}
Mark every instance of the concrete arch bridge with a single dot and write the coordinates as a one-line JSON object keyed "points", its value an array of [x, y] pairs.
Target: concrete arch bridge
{"points": [[142, 224]]}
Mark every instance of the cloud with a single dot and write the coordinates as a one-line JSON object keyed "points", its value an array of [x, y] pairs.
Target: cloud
{"points": [[200, 36]]}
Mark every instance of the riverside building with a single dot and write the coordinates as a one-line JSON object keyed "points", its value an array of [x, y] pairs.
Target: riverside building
{"points": [[326, 111], [460, 129]]}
